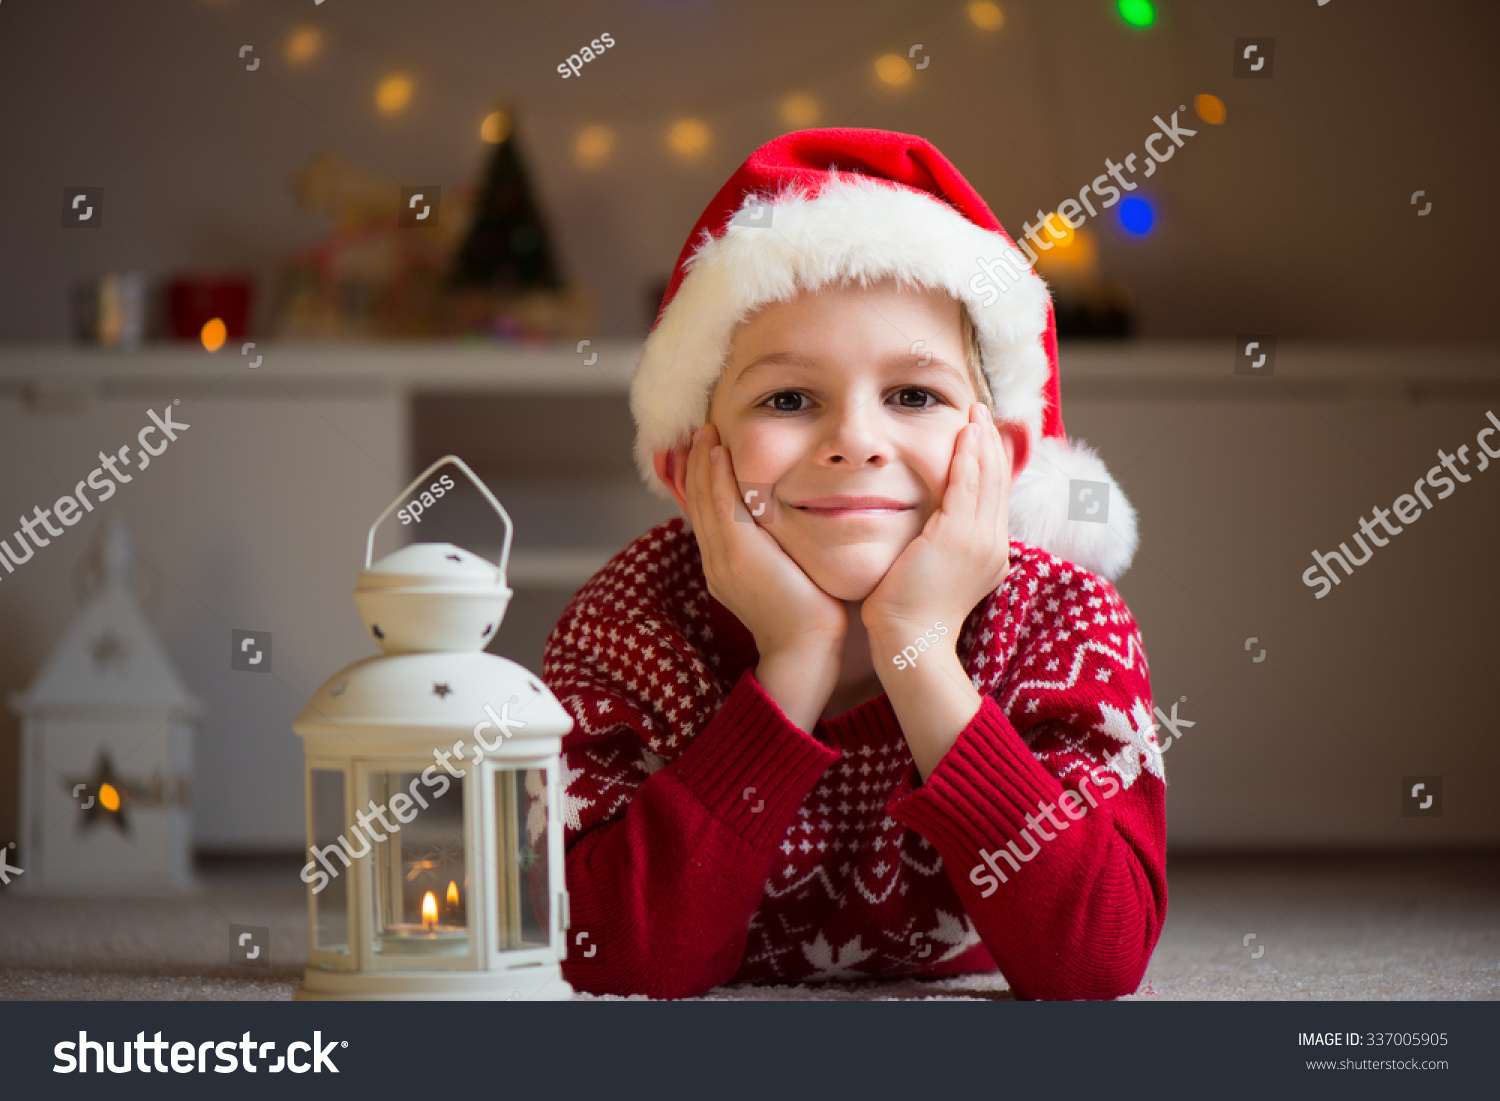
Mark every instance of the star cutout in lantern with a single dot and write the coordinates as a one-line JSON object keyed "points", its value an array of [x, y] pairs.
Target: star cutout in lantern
{"points": [[438, 856], [441, 691], [106, 792], [109, 650]]}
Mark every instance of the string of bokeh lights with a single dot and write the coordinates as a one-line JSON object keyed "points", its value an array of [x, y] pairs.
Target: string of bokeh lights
{"points": [[689, 138]]}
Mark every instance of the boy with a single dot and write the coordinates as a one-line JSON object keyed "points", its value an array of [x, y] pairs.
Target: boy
{"points": [[877, 712]]}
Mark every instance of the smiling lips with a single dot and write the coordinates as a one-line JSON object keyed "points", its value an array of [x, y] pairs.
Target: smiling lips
{"points": [[852, 506]]}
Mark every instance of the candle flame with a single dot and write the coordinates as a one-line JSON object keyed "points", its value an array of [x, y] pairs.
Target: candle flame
{"points": [[452, 893], [429, 910], [109, 798]]}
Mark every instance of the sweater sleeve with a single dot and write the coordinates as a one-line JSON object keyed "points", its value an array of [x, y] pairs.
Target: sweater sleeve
{"points": [[668, 865], [1055, 836]]}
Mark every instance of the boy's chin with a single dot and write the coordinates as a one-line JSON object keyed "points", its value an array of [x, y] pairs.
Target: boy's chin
{"points": [[854, 577]]}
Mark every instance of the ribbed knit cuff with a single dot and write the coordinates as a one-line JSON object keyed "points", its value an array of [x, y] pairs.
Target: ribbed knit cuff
{"points": [[750, 766], [980, 792]]}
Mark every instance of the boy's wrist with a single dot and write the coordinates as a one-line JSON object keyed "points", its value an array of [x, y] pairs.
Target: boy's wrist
{"points": [[801, 648], [800, 683]]}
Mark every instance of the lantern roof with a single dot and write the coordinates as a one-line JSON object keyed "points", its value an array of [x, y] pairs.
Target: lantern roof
{"points": [[432, 567], [109, 657], [444, 694]]}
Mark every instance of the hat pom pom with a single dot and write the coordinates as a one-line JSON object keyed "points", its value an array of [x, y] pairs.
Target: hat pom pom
{"points": [[1039, 507]]}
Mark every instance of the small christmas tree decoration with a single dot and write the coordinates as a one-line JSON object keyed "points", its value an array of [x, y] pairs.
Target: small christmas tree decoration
{"points": [[507, 248], [505, 281], [435, 852]]}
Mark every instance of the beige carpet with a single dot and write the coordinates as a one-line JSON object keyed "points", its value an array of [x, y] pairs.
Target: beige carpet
{"points": [[1332, 928]]}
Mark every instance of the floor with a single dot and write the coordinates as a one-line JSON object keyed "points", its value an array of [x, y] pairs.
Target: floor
{"points": [[1324, 927]]}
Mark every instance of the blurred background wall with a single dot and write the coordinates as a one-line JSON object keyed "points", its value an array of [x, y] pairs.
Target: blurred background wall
{"points": [[1290, 212]]}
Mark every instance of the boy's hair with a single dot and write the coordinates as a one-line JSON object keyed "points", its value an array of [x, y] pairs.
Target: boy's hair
{"points": [[974, 357]]}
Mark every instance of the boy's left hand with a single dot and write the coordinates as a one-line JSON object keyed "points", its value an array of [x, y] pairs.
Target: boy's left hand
{"points": [[962, 555]]}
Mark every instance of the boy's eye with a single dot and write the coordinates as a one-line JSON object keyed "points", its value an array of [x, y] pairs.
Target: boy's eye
{"points": [[786, 401], [914, 397]]}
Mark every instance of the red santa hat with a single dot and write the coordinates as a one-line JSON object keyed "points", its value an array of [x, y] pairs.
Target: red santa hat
{"points": [[817, 208]]}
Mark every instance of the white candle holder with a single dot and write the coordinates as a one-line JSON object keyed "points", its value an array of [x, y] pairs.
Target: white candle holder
{"points": [[434, 833]]}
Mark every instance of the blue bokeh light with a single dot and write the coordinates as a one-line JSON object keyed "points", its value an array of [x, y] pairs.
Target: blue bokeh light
{"points": [[1137, 216]]}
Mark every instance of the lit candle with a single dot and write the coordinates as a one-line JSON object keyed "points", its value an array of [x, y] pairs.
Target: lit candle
{"points": [[452, 900], [429, 911]]}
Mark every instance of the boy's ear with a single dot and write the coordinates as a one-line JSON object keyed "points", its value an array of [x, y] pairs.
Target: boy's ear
{"points": [[1015, 437], [671, 471]]}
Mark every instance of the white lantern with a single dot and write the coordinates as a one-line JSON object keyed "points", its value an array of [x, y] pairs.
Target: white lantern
{"points": [[107, 752], [434, 839]]}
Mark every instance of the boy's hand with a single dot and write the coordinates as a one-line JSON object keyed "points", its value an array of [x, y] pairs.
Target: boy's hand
{"points": [[798, 628], [962, 555]]}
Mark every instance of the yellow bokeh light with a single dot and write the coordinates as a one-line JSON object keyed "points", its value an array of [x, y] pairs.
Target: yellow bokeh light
{"points": [[688, 138], [1210, 109], [893, 69], [1075, 253], [214, 333], [495, 128], [986, 16], [393, 94], [109, 798], [799, 110], [303, 44], [1054, 224], [592, 146]]}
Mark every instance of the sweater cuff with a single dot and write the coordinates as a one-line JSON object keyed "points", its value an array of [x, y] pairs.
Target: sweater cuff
{"points": [[751, 766], [989, 777]]}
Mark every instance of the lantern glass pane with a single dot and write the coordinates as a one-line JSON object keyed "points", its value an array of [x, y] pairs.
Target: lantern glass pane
{"points": [[331, 904], [421, 886], [521, 858]]}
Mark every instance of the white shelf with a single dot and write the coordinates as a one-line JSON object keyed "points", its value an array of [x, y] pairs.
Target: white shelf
{"points": [[1090, 368], [386, 367]]}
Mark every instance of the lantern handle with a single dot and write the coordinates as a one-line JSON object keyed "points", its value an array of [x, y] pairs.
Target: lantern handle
{"points": [[483, 489]]}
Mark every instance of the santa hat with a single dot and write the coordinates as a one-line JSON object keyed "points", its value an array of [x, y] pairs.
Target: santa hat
{"points": [[818, 207]]}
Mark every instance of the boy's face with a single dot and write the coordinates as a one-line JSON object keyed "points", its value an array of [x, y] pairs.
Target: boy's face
{"points": [[829, 401]]}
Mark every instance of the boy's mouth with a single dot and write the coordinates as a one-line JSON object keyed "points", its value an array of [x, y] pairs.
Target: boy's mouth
{"points": [[851, 506]]}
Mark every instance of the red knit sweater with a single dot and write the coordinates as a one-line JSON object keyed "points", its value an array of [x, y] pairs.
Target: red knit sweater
{"points": [[709, 840]]}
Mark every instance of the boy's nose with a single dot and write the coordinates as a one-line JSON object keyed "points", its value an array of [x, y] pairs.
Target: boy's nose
{"points": [[855, 440]]}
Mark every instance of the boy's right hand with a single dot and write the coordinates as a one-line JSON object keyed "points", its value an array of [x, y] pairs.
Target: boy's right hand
{"points": [[798, 628]]}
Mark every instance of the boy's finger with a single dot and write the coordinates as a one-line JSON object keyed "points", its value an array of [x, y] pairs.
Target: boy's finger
{"points": [[701, 486], [992, 469], [718, 485], [961, 499]]}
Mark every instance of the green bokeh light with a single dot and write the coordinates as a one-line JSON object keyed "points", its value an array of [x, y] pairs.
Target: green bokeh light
{"points": [[1138, 13]]}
